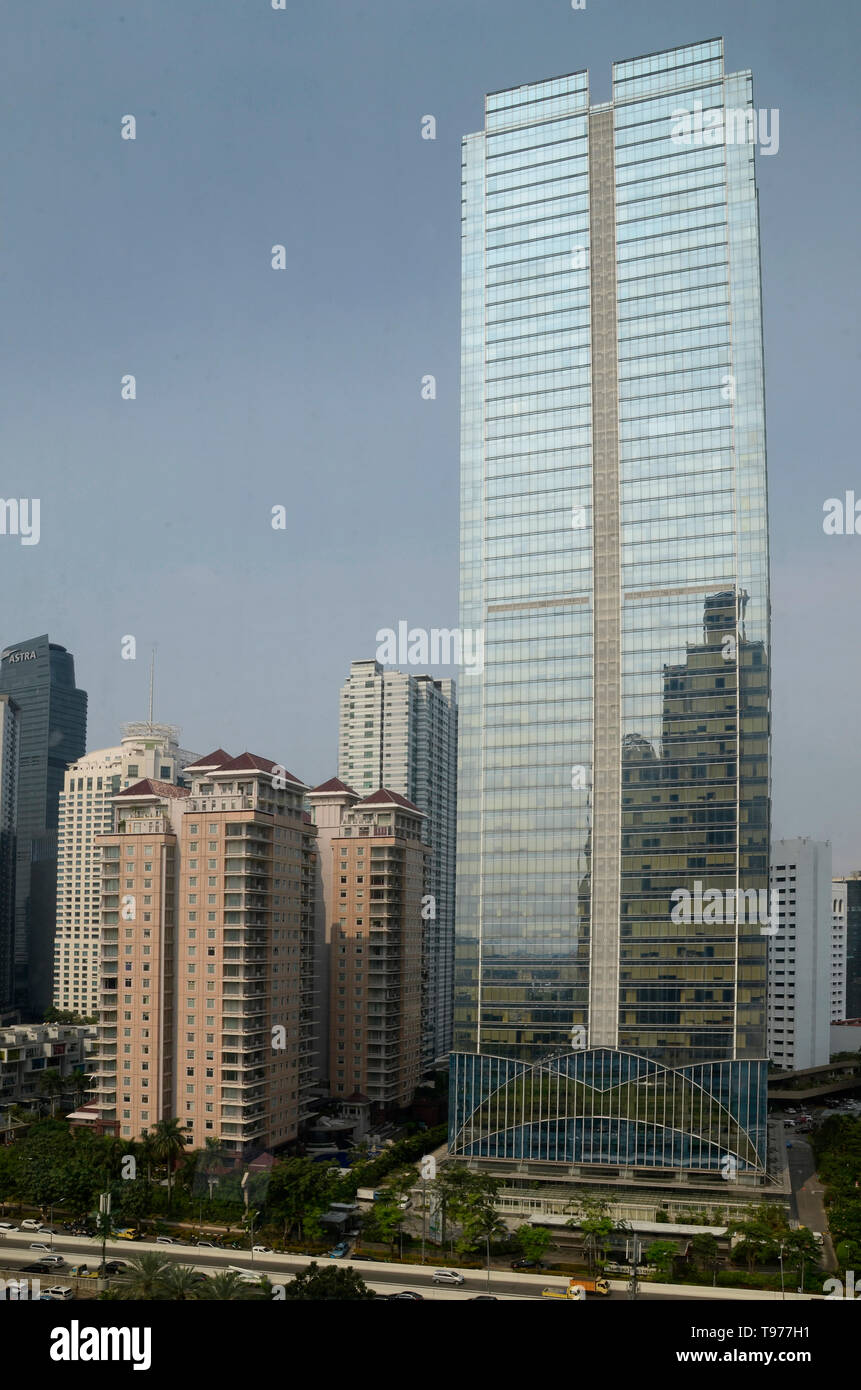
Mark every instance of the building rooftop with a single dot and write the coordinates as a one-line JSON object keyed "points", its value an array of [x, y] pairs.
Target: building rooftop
{"points": [[385, 797], [149, 787]]}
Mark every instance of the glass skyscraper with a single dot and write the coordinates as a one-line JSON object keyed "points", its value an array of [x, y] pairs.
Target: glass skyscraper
{"points": [[40, 677], [614, 552]]}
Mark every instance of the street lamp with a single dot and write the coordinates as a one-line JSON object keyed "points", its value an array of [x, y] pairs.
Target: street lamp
{"points": [[782, 1295]]}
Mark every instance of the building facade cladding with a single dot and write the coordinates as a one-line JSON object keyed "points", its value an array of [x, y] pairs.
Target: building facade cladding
{"points": [[40, 677], [10, 730], [86, 810], [218, 1001], [400, 731], [614, 550], [379, 875], [800, 956], [847, 889]]}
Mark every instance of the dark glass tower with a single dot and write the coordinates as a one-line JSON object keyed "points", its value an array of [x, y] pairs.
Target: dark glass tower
{"points": [[40, 678], [614, 552]]}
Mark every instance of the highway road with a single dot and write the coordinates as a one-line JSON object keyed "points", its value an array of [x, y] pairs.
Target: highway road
{"points": [[15, 1252]]}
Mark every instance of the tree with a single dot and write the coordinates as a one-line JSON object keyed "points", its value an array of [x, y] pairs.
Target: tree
{"points": [[168, 1144], [383, 1222], [661, 1253], [181, 1283], [704, 1249], [133, 1200], [597, 1225], [299, 1190], [330, 1282], [52, 1085], [227, 1287], [533, 1241], [759, 1236], [145, 1278]]}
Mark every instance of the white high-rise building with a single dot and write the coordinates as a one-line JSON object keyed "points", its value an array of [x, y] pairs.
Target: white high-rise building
{"points": [[800, 955], [146, 750], [10, 725], [838, 949], [399, 731]]}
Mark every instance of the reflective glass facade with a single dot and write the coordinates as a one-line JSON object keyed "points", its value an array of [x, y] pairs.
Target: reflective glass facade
{"points": [[614, 551]]}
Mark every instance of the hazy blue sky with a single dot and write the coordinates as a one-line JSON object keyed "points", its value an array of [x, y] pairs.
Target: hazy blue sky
{"points": [[255, 388]]}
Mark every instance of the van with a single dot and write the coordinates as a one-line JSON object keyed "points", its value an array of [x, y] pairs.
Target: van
{"points": [[60, 1292]]}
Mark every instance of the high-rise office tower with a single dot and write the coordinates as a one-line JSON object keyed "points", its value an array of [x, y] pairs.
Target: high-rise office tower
{"points": [[848, 886], [800, 954], [613, 752], [9, 739], [207, 956], [40, 677], [147, 750], [373, 887], [838, 950], [400, 731], [329, 802]]}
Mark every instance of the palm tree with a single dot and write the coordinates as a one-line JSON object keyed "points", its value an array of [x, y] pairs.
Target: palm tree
{"points": [[227, 1287], [145, 1148], [182, 1283], [51, 1084], [168, 1144], [145, 1279]]}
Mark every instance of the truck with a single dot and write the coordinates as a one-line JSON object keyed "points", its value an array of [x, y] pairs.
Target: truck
{"points": [[368, 1194], [574, 1287]]}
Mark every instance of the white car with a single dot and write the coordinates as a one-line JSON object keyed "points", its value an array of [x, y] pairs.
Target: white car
{"points": [[30, 1225], [56, 1260], [6, 1228], [447, 1276], [60, 1292], [261, 1249]]}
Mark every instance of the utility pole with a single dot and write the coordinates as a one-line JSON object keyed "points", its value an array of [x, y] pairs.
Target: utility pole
{"points": [[634, 1260], [104, 1219]]}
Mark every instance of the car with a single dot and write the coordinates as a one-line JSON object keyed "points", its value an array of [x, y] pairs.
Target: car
{"points": [[447, 1276], [40, 1245], [128, 1235], [261, 1249], [817, 1236], [165, 1240], [38, 1268], [339, 1251], [83, 1272], [60, 1292], [405, 1293], [55, 1261], [30, 1225], [526, 1264], [6, 1227], [483, 1298], [404, 1203], [212, 1245]]}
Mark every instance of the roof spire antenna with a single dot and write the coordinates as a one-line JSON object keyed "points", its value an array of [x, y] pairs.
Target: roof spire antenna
{"points": [[151, 683]]}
